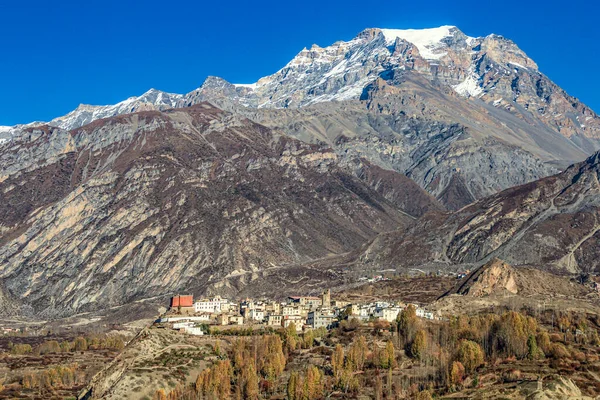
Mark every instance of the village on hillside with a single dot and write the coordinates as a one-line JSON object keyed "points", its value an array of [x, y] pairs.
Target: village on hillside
{"points": [[303, 312]]}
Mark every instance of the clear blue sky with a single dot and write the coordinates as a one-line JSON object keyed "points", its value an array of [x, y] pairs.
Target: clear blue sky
{"points": [[57, 54]]}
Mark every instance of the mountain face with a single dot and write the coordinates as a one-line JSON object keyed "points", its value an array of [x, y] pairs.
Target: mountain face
{"points": [[398, 148], [552, 223], [145, 204], [463, 117]]}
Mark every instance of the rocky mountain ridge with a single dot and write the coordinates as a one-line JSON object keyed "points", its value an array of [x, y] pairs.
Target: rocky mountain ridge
{"points": [[463, 117]]}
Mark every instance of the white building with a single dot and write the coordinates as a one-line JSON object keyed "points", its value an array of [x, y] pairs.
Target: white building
{"points": [[424, 314], [188, 327], [256, 314], [297, 320], [193, 330], [317, 319], [214, 305], [290, 310], [274, 320], [389, 314]]}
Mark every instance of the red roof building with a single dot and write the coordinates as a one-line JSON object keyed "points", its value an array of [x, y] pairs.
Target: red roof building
{"points": [[182, 301]]}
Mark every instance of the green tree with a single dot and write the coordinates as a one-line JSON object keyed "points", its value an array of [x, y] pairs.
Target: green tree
{"points": [[533, 352], [388, 356]]}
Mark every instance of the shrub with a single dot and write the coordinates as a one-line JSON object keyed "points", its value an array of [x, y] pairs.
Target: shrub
{"points": [[80, 344], [20, 349], [512, 375], [51, 346], [559, 351], [424, 395]]}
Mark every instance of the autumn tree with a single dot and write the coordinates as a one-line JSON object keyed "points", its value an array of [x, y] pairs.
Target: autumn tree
{"points": [[407, 324], [348, 381], [457, 373], [470, 355], [337, 361], [418, 345], [269, 357], [378, 388], [160, 395], [388, 356], [357, 354], [215, 382], [249, 381], [543, 341], [313, 383], [290, 337], [511, 333]]}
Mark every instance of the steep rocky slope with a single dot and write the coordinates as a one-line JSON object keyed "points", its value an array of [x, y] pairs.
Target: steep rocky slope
{"points": [[145, 204], [552, 223]]}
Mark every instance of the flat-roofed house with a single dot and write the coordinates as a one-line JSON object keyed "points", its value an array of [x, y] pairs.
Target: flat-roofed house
{"points": [[297, 320], [213, 305], [274, 319]]}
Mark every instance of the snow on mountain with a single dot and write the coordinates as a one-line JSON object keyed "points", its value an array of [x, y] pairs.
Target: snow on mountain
{"points": [[492, 69], [430, 42], [342, 70], [84, 114], [5, 133]]}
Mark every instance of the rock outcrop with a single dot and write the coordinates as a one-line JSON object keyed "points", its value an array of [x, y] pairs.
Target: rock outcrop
{"points": [[495, 277]]}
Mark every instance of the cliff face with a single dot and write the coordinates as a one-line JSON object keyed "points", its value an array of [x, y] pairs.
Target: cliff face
{"points": [[142, 205]]}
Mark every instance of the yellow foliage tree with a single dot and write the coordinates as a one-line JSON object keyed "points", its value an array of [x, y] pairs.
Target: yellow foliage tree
{"points": [[470, 355], [337, 361], [357, 354], [457, 373]]}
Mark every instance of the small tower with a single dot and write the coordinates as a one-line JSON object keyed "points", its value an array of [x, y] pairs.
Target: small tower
{"points": [[326, 298]]}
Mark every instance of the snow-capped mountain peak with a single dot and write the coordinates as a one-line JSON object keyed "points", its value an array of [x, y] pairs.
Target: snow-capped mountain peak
{"points": [[491, 68], [429, 42]]}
